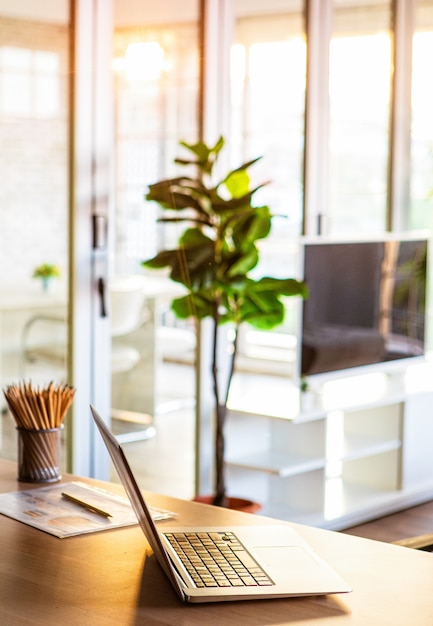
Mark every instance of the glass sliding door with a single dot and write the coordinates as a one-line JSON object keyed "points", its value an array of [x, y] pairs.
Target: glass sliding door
{"points": [[360, 92], [34, 118], [156, 88], [268, 80], [421, 210], [268, 73]]}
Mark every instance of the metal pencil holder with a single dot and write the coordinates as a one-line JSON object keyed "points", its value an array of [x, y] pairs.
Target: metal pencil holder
{"points": [[39, 455], [39, 414]]}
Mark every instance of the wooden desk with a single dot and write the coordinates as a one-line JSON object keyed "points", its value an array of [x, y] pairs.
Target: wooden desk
{"points": [[107, 579]]}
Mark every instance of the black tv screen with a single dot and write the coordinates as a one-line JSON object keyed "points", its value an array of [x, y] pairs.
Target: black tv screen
{"points": [[366, 303]]}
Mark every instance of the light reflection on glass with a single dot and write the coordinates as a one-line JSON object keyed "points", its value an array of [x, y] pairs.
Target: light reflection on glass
{"points": [[360, 91]]}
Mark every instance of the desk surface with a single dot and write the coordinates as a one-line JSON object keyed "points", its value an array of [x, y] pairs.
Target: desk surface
{"points": [[107, 579]]}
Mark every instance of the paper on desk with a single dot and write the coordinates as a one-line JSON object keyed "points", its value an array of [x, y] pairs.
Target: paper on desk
{"points": [[46, 509]]}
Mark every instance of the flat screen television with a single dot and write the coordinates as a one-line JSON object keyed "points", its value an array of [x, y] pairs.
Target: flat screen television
{"points": [[366, 303]]}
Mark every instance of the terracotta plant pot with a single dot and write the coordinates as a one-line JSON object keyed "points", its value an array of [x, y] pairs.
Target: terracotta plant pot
{"points": [[236, 504]]}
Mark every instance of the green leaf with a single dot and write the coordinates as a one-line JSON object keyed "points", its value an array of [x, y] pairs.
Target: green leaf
{"points": [[242, 264], [195, 267], [190, 218], [206, 155], [191, 266], [254, 224], [220, 142], [266, 320], [162, 187], [192, 305], [237, 183], [194, 237], [220, 205], [282, 286], [165, 258], [200, 149], [166, 194], [262, 310]]}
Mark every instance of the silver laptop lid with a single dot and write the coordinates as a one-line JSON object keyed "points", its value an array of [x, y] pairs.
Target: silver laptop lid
{"points": [[138, 503]]}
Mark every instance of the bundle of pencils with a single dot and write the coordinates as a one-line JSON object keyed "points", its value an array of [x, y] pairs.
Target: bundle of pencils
{"points": [[39, 414], [39, 408]]}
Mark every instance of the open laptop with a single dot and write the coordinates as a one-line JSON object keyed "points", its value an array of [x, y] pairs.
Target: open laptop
{"points": [[270, 561]]}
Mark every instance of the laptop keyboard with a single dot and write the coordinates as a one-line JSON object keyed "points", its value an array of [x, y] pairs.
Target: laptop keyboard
{"points": [[217, 559]]}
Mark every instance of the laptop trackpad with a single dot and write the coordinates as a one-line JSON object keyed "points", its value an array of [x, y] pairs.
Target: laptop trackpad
{"points": [[285, 556]]}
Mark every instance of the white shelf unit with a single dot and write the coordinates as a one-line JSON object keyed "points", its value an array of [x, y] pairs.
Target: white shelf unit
{"points": [[336, 466]]}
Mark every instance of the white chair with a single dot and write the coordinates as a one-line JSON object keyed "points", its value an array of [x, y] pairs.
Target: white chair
{"points": [[43, 351], [128, 312]]}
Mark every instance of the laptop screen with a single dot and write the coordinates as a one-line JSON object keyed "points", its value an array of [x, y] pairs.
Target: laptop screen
{"points": [[138, 503]]}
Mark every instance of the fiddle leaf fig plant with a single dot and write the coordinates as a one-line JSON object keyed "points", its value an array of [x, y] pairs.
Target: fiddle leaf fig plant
{"points": [[215, 256]]}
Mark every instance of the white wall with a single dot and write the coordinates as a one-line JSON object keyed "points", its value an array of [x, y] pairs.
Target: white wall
{"points": [[41, 10], [130, 12]]}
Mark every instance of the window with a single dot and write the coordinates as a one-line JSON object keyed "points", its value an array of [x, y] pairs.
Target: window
{"points": [[268, 66], [268, 80], [421, 215], [359, 92], [29, 83], [157, 73]]}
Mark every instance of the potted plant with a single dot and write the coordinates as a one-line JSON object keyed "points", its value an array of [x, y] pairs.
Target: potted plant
{"points": [[46, 272], [215, 256], [307, 395]]}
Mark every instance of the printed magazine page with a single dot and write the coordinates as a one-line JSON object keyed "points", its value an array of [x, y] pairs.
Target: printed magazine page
{"points": [[73, 508]]}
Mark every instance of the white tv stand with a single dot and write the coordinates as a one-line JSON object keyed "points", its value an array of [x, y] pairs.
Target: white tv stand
{"points": [[365, 449]]}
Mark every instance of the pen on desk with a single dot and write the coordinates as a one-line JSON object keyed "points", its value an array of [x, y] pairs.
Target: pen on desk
{"points": [[86, 505]]}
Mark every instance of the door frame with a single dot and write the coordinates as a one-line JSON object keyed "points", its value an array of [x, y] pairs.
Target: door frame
{"points": [[90, 180]]}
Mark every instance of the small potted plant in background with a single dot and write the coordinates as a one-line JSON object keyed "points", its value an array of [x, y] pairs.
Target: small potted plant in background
{"points": [[46, 272], [306, 394], [215, 256]]}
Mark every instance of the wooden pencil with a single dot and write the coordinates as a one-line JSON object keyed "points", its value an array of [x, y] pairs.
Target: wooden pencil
{"points": [[39, 408]]}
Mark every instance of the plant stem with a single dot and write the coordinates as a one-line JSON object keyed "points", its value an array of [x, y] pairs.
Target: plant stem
{"points": [[220, 412], [232, 363], [221, 409]]}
